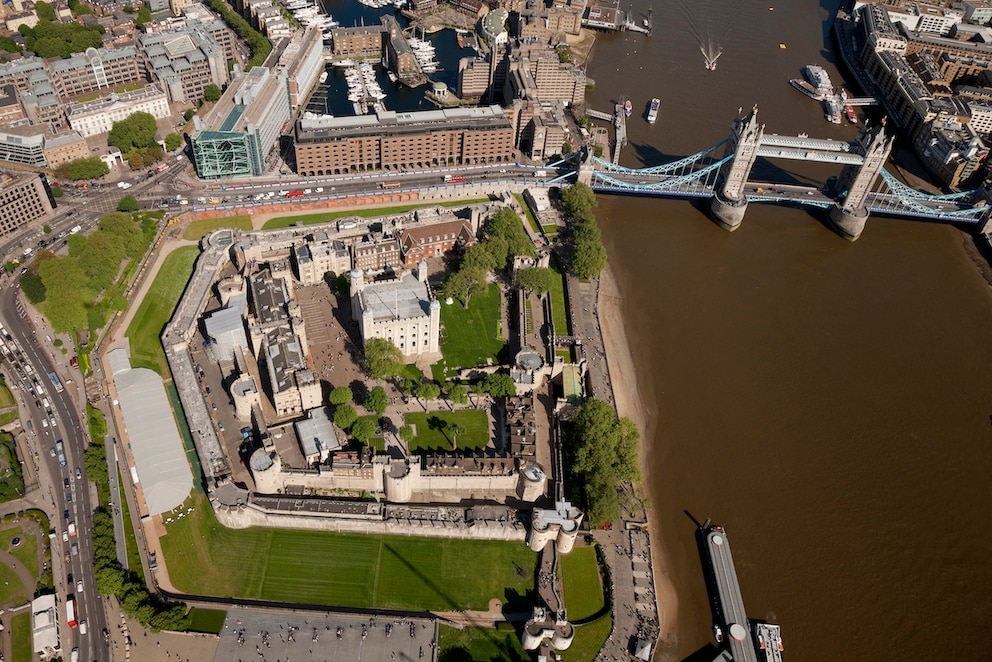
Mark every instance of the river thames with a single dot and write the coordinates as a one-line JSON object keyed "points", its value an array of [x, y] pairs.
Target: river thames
{"points": [[827, 402]]}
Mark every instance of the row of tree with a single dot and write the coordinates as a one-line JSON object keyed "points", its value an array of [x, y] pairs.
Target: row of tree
{"points": [[89, 167], [588, 256], [601, 452], [502, 238], [52, 39], [259, 45]]}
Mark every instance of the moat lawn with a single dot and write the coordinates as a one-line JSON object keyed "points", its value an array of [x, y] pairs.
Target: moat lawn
{"points": [[156, 310], [471, 335], [587, 609], [326, 217], [348, 570], [197, 230], [432, 436]]}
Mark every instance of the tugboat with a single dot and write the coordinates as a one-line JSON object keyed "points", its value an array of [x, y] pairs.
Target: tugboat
{"points": [[628, 108]]}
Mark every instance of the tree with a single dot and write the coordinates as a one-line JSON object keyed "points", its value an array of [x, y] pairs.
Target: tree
{"points": [[456, 429], [173, 141], [340, 395], [588, 255], [66, 288], [345, 416], [499, 385], [46, 228], [378, 401], [537, 279], [44, 11], [428, 391], [506, 224], [462, 284], [188, 114], [33, 287], [406, 433], [136, 160], [90, 167], [578, 199], [57, 191], [383, 358], [136, 130], [144, 16], [127, 203], [363, 430], [458, 394], [604, 451], [125, 230], [211, 92], [566, 148]]}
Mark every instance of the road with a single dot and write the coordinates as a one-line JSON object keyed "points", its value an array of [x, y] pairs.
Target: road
{"points": [[70, 495]]}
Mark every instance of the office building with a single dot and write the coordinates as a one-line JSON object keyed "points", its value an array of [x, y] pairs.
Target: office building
{"points": [[96, 69], [91, 118], [23, 198], [239, 131], [185, 61]]}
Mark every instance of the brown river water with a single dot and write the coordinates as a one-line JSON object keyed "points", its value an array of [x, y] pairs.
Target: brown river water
{"points": [[828, 402]]}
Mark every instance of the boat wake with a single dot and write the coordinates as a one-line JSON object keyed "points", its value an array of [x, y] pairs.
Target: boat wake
{"points": [[710, 48]]}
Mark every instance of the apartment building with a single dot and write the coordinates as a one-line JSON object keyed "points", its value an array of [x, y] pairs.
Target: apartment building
{"points": [[399, 141], [185, 61]]}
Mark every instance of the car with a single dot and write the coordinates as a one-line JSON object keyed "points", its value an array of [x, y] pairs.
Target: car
{"points": [[67, 559], [68, 579], [79, 474], [65, 536], [65, 514], [82, 627], [213, 405], [208, 390], [221, 426], [54, 424], [65, 483], [68, 497], [74, 656], [79, 586], [44, 423], [74, 549]]}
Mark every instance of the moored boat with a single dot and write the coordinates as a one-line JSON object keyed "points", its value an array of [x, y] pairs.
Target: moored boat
{"points": [[628, 108], [806, 89], [653, 109]]}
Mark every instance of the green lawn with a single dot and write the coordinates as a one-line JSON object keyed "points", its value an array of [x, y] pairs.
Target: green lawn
{"points": [[530, 215], [432, 438], [27, 553], [471, 335], [6, 397], [326, 217], [8, 417], [12, 593], [480, 645], [210, 621], [559, 310], [346, 570], [11, 479], [20, 637], [589, 639], [583, 588], [156, 310], [197, 230]]}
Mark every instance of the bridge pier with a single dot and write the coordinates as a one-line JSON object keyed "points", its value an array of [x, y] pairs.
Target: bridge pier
{"points": [[729, 214], [849, 223]]}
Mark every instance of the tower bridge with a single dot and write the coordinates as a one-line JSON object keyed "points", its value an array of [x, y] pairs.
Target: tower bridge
{"points": [[861, 188]]}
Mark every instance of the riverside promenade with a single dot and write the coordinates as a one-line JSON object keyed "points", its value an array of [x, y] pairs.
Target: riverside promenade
{"points": [[626, 544]]}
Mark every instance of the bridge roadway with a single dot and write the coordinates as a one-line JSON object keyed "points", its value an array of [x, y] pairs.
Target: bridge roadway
{"points": [[737, 637]]}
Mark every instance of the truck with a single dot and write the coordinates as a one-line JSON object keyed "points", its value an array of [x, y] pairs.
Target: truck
{"points": [[72, 528], [75, 228], [60, 452]]}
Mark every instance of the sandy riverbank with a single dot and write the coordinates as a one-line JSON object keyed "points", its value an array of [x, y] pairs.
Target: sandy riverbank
{"points": [[623, 374]]}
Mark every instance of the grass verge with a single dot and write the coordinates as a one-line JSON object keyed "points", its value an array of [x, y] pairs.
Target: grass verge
{"points": [[559, 310], [582, 584], [208, 621], [6, 397], [324, 568], [156, 310], [130, 541], [326, 217], [433, 430], [480, 645], [20, 637], [197, 230], [589, 639], [531, 220], [471, 335]]}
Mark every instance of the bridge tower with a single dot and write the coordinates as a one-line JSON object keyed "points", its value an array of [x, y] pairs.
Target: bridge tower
{"points": [[586, 167], [730, 203], [849, 215]]}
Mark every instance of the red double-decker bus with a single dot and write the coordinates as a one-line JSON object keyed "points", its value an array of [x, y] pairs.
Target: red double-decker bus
{"points": [[295, 194], [454, 179], [70, 612]]}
